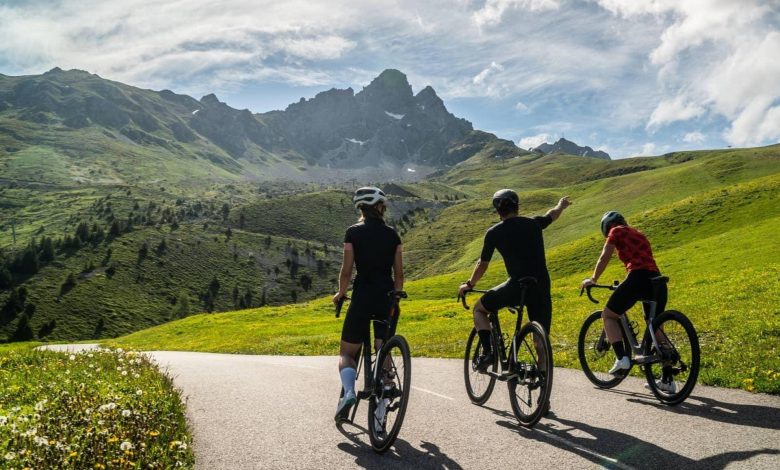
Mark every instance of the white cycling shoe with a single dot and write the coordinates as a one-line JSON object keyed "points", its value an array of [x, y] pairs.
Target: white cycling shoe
{"points": [[345, 404], [624, 363], [670, 387]]}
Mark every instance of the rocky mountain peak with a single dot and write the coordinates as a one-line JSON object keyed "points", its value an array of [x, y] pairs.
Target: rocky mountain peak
{"points": [[570, 148], [390, 91], [210, 99]]}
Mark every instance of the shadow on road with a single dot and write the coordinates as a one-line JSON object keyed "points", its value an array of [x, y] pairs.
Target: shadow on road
{"points": [[614, 449], [732, 413], [401, 455]]}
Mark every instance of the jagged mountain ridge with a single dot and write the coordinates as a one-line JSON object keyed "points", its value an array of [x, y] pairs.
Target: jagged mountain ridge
{"points": [[384, 124], [570, 148]]}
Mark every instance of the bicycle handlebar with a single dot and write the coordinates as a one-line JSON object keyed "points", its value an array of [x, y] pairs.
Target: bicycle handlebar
{"points": [[462, 298], [598, 286], [398, 294]]}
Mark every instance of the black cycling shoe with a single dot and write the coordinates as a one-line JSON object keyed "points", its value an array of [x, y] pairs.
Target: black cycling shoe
{"points": [[483, 362]]}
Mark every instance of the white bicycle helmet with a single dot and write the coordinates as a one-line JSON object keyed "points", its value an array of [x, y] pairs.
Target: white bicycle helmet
{"points": [[611, 218], [369, 196]]}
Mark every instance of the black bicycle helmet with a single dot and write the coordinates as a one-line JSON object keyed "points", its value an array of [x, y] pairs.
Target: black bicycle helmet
{"points": [[610, 219], [504, 198]]}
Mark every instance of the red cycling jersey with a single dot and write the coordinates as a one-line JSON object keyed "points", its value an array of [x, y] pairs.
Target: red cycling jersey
{"points": [[633, 248]]}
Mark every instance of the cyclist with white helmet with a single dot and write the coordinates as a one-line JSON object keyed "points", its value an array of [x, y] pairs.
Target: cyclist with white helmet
{"points": [[635, 252], [519, 241], [375, 250]]}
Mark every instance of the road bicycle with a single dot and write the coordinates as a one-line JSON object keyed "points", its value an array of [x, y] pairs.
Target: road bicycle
{"points": [[387, 376], [526, 363], [668, 353]]}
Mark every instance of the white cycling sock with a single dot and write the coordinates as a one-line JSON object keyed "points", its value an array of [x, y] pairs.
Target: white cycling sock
{"points": [[348, 376]]}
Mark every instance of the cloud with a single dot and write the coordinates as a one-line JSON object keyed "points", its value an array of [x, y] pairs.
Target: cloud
{"points": [[715, 56], [680, 108], [533, 141], [482, 76], [694, 137], [648, 149], [522, 107], [493, 11]]}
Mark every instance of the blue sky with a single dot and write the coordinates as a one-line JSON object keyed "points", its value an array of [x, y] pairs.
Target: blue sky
{"points": [[631, 77]]}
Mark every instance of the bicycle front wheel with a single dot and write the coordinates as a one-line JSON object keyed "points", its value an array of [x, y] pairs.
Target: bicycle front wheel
{"points": [[392, 382], [596, 355], [532, 363], [479, 385], [672, 378]]}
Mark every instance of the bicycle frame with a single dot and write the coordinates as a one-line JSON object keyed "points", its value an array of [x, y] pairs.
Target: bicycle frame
{"points": [[365, 356], [649, 307], [505, 360]]}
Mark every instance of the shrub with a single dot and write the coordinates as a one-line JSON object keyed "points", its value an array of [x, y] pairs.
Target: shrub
{"points": [[68, 284]]}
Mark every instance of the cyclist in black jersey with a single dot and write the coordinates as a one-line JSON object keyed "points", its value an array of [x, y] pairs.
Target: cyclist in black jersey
{"points": [[519, 241], [375, 250]]}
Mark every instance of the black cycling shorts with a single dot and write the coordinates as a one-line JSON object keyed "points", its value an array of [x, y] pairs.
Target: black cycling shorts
{"points": [[637, 286], [537, 300], [367, 304]]}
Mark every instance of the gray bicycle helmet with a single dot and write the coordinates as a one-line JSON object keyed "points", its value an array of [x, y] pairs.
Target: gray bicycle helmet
{"points": [[504, 198], [610, 219], [369, 196]]}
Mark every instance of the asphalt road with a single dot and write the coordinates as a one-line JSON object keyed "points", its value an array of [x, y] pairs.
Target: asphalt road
{"points": [[277, 412]]}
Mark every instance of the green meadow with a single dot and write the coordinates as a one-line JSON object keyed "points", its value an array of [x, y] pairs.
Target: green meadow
{"points": [[712, 217]]}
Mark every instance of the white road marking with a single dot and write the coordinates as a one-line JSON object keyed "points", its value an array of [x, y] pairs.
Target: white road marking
{"points": [[580, 448], [433, 393]]}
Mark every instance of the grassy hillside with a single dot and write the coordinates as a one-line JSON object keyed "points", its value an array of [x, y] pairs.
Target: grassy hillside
{"points": [[113, 289], [453, 240], [713, 221]]}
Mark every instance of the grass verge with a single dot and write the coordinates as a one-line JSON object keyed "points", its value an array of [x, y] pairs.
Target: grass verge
{"points": [[96, 409]]}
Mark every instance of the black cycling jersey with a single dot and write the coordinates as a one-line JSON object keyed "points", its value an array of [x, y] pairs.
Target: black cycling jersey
{"points": [[374, 245], [520, 242]]}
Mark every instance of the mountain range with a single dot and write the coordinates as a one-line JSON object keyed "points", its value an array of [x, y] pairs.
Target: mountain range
{"points": [[75, 114], [384, 131]]}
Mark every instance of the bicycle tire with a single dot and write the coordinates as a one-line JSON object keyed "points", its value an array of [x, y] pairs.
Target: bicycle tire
{"points": [[397, 399], [595, 353], [530, 408], [479, 386], [684, 359]]}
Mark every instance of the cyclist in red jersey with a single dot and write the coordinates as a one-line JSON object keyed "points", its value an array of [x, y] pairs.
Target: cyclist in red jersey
{"points": [[635, 252]]}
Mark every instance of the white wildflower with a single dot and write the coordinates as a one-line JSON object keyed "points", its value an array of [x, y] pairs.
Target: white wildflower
{"points": [[107, 407], [90, 355], [40, 405], [3, 420], [124, 372], [9, 456], [126, 446], [41, 441], [137, 376], [126, 413], [72, 357], [139, 392]]}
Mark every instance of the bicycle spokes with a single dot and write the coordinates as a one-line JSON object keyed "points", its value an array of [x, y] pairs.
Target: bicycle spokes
{"points": [[529, 389], [674, 375]]}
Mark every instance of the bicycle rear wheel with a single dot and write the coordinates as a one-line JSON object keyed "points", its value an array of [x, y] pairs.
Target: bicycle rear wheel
{"points": [[596, 355], [679, 365], [529, 392], [479, 385], [387, 405]]}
